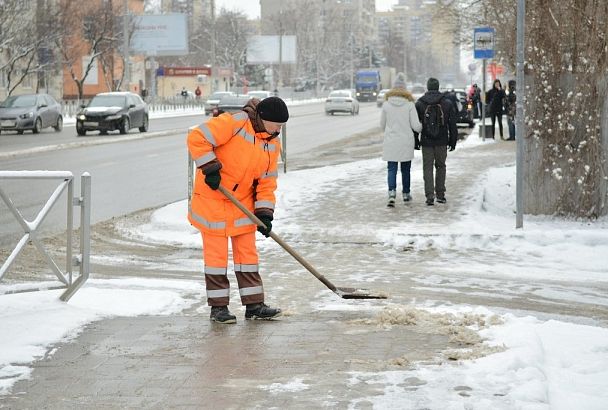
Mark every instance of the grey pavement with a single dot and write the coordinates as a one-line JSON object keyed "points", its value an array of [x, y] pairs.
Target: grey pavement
{"points": [[307, 358]]}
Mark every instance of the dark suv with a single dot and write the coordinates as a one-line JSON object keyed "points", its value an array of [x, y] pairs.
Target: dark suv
{"points": [[113, 111]]}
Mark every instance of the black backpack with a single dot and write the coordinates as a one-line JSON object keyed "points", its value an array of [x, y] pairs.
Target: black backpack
{"points": [[433, 121]]}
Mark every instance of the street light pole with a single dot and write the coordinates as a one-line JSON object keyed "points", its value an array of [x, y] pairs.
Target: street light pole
{"points": [[520, 123], [483, 100], [126, 51], [352, 60]]}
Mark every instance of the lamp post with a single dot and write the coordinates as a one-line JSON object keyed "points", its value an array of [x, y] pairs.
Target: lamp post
{"points": [[126, 51], [352, 60], [520, 124]]}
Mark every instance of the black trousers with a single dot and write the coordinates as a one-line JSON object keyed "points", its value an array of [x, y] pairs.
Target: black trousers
{"points": [[499, 117]]}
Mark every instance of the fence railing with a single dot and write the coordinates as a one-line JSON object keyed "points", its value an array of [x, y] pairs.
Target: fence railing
{"points": [[70, 108], [31, 228]]}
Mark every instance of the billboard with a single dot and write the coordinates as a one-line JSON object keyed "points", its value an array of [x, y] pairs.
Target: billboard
{"points": [[265, 49], [160, 35]]}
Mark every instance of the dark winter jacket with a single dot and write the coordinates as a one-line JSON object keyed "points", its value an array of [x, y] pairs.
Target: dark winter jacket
{"points": [[495, 100], [510, 105], [449, 134]]}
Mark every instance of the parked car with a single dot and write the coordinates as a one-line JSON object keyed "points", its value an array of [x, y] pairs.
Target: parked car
{"points": [[341, 101], [259, 94], [113, 111], [464, 107], [380, 98], [214, 99], [230, 103], [30, 112]]}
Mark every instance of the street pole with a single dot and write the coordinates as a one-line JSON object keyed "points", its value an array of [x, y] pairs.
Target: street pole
{"points": [[483, 101], [213, 51], [352, 60], [279, 78], [153, 77], [520, 124], [125, 31]]}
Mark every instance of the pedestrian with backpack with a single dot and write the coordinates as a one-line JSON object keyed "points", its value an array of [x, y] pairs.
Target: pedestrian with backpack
{"points": [[438, 117], [399, 120]]}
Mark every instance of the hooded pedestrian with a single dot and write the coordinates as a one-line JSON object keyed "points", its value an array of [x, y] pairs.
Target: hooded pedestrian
{"points": [[399, 121]]}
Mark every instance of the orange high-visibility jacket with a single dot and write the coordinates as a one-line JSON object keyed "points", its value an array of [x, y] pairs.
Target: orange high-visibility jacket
{"points": [[249, 171]]}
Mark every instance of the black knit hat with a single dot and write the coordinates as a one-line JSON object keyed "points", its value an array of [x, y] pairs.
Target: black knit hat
{"points": [[273, 109], [432, 84]]}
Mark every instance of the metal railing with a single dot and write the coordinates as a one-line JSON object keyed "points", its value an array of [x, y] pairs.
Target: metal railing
{"points": [[31, 228], [70, 108]]}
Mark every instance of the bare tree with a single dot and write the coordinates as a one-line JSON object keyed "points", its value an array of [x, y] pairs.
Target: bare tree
{"points": [[111, 57], [87, 30], [231, 40], [394, 49], [24, 53]]}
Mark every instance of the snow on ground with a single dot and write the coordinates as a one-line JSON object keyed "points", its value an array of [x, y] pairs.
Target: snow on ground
{"points": [[33, 322], [547, 364]]}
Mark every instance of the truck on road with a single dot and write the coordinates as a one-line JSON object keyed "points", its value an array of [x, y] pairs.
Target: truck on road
{"points": [[367, 84]]}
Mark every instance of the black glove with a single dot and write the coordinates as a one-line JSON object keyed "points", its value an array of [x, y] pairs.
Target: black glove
{"points": [[213, 179], [417, 145], [267, 220], [452, 148]]}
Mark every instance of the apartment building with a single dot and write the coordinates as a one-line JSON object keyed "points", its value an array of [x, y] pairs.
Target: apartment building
{"points": [[430, 48]]}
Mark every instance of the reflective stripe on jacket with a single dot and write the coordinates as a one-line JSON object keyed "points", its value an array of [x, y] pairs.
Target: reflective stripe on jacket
{"points": [[249, 171]]}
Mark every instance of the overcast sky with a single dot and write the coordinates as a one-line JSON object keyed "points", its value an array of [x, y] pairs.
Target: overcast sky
{"points": [[252, 7]]}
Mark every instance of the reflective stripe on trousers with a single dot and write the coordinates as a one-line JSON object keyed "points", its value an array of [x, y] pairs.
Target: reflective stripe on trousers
{"points": [[245, 258]]}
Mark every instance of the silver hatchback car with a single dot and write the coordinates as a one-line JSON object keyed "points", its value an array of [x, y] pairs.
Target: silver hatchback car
{"points": [[341, 101], [30, 112]]}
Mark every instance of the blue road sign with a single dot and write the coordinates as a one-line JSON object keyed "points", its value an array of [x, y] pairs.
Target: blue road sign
{"points": [[483, 42]]}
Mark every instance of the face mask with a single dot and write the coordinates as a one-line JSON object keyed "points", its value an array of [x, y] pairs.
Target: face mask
{"points": [[275, 134]]}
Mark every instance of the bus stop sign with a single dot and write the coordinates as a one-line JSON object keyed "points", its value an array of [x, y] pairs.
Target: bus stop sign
{"points": [[483, 42]]}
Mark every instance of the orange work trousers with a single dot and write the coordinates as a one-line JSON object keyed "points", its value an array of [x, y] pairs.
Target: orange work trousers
{"points": [[245, 258]]}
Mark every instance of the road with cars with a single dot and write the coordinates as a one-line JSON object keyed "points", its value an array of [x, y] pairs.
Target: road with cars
{"points": [[139, 170]]}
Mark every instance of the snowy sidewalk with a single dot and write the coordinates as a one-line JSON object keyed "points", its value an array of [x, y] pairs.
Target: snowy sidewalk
{"points": [[463, 284]]}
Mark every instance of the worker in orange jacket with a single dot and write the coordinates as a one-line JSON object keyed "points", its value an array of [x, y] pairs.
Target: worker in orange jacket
{"points": [[239, 151]]}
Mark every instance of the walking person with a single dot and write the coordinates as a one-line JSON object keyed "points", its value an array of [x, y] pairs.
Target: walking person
{"points": [[511, 109], [238, 151], [476, 98], [495, 98], [438, 117], [399, 120]]}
